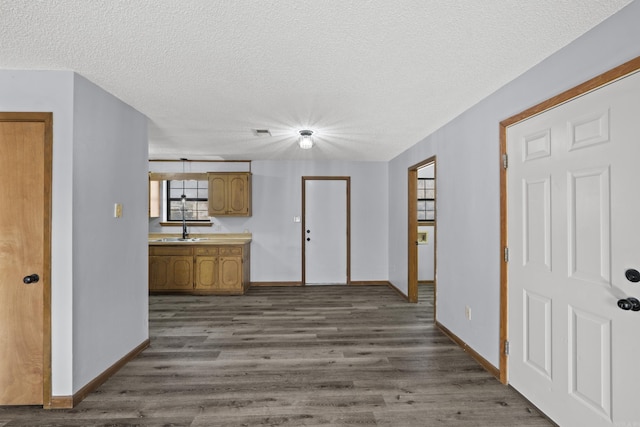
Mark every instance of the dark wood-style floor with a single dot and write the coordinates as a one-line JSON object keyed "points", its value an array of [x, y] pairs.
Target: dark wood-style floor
{"points": [[329, 355]]}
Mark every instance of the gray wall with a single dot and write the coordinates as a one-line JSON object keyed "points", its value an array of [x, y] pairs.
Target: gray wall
{"points": [[110, 273], [99, 268], [277, 197], [467, 149]]}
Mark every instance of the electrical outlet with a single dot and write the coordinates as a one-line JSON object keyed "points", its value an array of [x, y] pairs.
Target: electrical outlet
{"points": [[467, 312], [117, 210]]}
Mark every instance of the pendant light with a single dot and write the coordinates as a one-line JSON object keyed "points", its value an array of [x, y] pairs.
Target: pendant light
{"points": [[183, 198]]}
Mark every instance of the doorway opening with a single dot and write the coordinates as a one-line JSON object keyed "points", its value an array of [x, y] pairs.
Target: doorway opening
{"points": [[422, 228]]}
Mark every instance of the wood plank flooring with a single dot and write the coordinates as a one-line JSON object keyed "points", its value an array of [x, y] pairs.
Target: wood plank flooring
{"points": [[295, 356]]}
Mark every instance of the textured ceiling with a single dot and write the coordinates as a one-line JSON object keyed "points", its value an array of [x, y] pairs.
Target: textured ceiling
{"points": [[370, 77]]}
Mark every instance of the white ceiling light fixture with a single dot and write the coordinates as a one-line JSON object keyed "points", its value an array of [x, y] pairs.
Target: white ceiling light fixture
{"points": [[305, 141]]}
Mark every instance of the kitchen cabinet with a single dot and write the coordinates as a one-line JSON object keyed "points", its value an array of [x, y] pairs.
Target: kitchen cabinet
{"points": [[170, 268], [229, 193], [212, 269], [230, 267], [206, 268]]}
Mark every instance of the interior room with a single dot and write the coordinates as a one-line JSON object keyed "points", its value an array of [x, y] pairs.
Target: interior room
{"points": [[351, 160]]}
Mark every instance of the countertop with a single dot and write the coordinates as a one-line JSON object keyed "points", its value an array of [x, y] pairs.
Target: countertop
{"points": [[200, 239]]}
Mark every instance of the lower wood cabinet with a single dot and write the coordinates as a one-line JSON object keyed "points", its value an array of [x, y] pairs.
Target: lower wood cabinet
{"points": [[230, 268], [171, 268], [222, 269]]}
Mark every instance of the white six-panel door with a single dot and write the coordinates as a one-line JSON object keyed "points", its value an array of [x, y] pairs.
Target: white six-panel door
{"points": [[573, 230]]}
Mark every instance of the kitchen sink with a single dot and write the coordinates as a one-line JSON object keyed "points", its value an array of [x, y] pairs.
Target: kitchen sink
{"points": [[178, 239]]}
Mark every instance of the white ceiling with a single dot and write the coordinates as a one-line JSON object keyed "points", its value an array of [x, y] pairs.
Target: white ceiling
{"points": [[370, 77]]}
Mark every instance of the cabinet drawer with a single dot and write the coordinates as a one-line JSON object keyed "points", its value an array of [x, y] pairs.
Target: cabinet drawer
{"points": [[206, 250], [233, 250], [170, 250]]}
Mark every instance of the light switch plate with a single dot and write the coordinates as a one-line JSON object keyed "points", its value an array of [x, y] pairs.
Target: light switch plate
{"points": [[117, 210]]}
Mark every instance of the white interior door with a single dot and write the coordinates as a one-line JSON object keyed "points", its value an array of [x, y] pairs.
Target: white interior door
{"points": [[325, 231], [573, 205]]}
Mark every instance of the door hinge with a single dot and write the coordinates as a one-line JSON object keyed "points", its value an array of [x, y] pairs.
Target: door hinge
{"points": [[505, 161], [506, 254], [506, 347]]}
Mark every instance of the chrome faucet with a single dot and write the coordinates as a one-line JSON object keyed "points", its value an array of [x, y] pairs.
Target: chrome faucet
{"points": [[185, 234]]}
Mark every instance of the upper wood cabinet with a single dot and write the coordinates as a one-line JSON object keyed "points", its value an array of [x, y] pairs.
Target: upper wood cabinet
{"points": [[229, 193]]}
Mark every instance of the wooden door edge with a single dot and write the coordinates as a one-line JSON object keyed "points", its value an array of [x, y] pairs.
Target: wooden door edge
{"points": [[46, 288]]}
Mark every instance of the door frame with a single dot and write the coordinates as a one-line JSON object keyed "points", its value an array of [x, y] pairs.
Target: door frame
{"points": [[47, 120], [347, 179], [603, 79], [412, 234]]}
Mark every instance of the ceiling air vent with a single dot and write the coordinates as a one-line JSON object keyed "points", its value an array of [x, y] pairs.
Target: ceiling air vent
{"points": [[261, 132]]}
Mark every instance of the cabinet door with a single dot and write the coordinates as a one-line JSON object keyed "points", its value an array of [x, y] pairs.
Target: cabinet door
{"points": [[206, 273], [238, 195], [229, 194], [180, 275], [230, 279], [217, 194], [158, 273]]}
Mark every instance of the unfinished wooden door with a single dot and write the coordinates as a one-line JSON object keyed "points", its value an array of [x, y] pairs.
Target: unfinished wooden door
{"points": [[24, 257]]}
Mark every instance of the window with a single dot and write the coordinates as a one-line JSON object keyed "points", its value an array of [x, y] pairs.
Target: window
{"points": [[426, 199], [197, 200]]}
